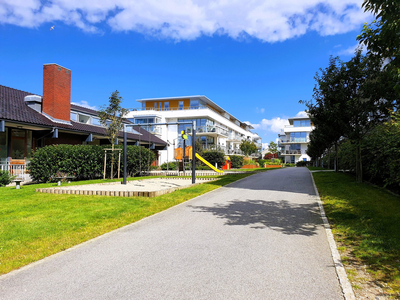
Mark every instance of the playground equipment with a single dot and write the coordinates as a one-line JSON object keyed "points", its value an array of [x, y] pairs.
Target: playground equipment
{"points": [[208, 164]]}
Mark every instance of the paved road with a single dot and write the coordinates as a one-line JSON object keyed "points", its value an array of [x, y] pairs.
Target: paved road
{"points": [[259, 238]]}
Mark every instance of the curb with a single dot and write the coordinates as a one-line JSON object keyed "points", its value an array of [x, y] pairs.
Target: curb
{"points": [[340, 270]]}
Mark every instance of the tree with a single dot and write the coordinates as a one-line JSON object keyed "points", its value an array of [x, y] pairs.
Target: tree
{"points": [[248, 147], [351, 98], [273, 147], [111, 117], [382, 36]]}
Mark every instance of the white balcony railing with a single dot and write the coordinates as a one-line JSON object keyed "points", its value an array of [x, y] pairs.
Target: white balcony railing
{"points": [[16, 170]]}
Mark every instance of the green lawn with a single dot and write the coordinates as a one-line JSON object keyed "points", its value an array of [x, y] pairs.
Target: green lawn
{"points": [[365, 222], [35, 225]]}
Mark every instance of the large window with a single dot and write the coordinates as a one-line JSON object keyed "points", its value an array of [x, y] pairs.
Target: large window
{"points": [[166, 105], [18, 143], [302, 123], [3, 147], [298, 137], [180, 105], [194, 104]]}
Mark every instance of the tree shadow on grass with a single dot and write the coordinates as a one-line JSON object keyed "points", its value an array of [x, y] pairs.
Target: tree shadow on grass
{"points": [[281, 216]]}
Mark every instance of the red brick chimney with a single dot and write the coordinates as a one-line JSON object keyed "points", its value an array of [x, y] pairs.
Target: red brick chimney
{"points": [[56, 92]]}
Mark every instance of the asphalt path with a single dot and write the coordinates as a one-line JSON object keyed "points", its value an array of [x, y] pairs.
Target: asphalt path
{"points": [[259, 238]]}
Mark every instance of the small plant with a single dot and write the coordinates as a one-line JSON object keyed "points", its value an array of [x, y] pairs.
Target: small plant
{"points": [[171, 166], [5, 178]]}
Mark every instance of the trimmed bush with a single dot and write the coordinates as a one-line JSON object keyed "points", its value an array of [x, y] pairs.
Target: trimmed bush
{"points": [[85, 161], [236, 161], [5, 178], [172, 165], [214, 156]]}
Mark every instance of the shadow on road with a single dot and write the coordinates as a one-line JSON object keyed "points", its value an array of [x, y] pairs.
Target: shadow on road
{"points": [[280, 216]]}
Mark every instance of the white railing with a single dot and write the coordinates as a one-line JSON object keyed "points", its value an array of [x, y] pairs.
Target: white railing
{"points": [[16, 170]]}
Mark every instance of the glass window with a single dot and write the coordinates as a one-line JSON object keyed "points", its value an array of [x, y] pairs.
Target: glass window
{"points": [[18, 149], [302, 123], [84, 119], [180, 105], [18, 133], [166, 105], [29, 144], [160, 106], [74, 116], [96, 121], [3, 146], [143, 105], [155, 105], [194, 104]]}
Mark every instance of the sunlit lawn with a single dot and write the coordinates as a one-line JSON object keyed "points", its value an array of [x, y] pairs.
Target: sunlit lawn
{"points": [[35, 225], [365, 220]]}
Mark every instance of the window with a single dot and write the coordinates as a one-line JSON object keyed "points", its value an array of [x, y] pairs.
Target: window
{"points": [[298, 137], [302, 123], [194, 104], [143, 105], [3, 146], [166, 105], [180, 105], [160, 106], [74, 116], [155, 105], [84, 119], [96, 121]]}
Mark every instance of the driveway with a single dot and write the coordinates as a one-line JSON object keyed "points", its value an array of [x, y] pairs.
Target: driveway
{"points": [[259, 238]]}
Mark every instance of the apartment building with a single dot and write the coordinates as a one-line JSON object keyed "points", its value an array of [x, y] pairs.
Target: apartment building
{"points": [[294, 138], [215, 127]]}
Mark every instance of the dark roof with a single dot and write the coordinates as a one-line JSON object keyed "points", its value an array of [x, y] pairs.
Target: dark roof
{"points": [[13, 108]]}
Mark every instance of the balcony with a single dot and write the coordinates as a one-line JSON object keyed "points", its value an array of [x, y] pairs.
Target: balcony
{"points": [[170, 108], [292, 152], [294, 141], [209, 130]]}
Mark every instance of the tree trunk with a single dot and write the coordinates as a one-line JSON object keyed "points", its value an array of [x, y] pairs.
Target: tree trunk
{"points": [[112, 161], [358, 162], [336, 157]]}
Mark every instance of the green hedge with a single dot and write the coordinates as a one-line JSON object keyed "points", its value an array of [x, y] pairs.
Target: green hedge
{"points": [[172, 165], [236, 161], [214, 157], [84, 161], [5, 178]]}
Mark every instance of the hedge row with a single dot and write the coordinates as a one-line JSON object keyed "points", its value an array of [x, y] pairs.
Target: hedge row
{"points": [[85, 161]]}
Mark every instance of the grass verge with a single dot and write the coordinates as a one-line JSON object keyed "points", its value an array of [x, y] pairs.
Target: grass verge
{"points": [[36, 225], [365, 222]]}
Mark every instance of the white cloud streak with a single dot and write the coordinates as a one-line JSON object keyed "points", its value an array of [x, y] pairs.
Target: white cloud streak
{"points": [[269, 21], [84, 103]]}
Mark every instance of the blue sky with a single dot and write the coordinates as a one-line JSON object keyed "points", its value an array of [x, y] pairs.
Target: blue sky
{"points": [[255, 59]]}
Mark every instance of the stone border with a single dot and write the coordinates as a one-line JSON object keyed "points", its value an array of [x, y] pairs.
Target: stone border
{"points": [[340, 270], [113, 193]]}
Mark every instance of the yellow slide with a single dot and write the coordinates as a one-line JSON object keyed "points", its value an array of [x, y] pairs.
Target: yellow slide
{"points": [[208, 164]]}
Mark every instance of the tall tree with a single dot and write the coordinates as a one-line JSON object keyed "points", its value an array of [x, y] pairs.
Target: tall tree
{"points": [[273, 147], [111, 117], [382, 35], [248, 147], [351, 98]]}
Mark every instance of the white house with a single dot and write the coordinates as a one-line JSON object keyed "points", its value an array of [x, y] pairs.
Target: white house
{"points": [[294, 138], [215, 127]]}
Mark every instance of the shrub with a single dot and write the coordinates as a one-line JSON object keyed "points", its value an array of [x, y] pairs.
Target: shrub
{"points": [[289, 165], [203, 168], [236, 161], [303, 163], [172, 165], [85, 161], [214, 156], [5, 178]]}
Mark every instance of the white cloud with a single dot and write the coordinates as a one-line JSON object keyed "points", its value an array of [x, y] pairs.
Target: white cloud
{"points": [[268, 21], [274, 125], [301, 114], [351, 50], [84, 103]]}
